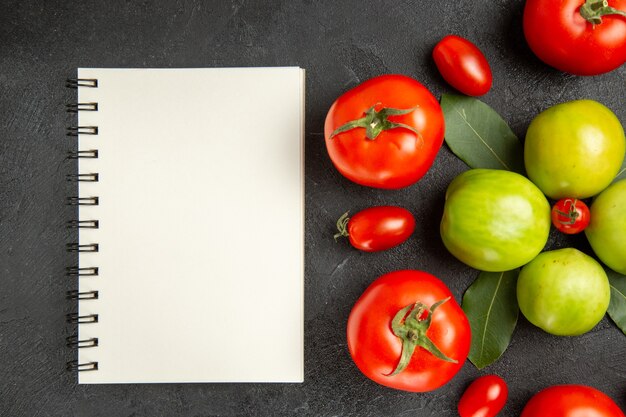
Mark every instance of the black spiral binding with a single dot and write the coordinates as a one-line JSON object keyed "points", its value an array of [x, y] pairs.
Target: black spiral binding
{"points": [[82, 177], [74, 342], [75, 271]]}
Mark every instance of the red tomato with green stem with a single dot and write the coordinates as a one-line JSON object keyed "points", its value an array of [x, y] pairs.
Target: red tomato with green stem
{"points": [[463, 65], [407, 332], [485, 397], [571, 401], [582, 37], [570, 215], [376, 228], [385, 132]]}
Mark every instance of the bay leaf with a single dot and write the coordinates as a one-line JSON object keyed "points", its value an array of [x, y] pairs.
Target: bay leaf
{"points": [[617, 306], [490, 304], [479, 136]]}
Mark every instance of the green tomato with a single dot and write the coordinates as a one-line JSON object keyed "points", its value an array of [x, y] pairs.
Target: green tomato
{"points": [[494, 220], [607, 230], [574, 149], [564, 292]]}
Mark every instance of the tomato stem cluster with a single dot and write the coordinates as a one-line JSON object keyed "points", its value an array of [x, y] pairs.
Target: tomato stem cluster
{"points": [[410, 324], [593, 10], [375, 122], [571, 214], [342, 226]]}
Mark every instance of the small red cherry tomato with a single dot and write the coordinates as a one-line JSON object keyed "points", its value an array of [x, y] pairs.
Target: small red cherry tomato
{"points": [[570, 215], [377, 228], [463, 65], [485, 397]]}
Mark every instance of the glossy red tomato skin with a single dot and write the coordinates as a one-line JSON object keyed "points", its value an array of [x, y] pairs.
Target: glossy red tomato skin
{"points": [[571, 401], [397, 157], [376, 350], [380, 228], [463, 65], [566, 224], [485, 397], [563, 39]]}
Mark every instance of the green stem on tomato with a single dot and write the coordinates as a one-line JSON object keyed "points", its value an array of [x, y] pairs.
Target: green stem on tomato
{"points": [[410, 324], [571, 214], [375, 122], [342, 226], [593, 10]]}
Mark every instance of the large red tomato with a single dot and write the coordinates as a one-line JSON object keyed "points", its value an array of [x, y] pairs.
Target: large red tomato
{"points": [[571, 401], [385, 132], [577, 36], [407, 332]]}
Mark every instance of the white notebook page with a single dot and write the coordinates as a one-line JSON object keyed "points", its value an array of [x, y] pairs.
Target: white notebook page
{"points": [[201, 208]]}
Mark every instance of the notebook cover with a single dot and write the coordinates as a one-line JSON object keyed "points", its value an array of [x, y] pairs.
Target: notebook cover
{"points": [[200, 207]]}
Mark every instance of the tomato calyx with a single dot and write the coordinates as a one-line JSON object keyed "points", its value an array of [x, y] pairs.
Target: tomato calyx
{"points": [[593, 10], [375, 122], [571, 214], [410, 324], [342, 226]]}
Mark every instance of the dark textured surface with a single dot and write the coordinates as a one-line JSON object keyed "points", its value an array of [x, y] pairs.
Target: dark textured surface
{"points": [[340, 44]]}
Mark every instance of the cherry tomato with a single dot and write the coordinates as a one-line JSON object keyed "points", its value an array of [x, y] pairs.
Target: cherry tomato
{"points": [[570, 215], [485, 397], [571, 401], [407, 332], [463, 65], [377, 228], [581, 37], [385, 132]]}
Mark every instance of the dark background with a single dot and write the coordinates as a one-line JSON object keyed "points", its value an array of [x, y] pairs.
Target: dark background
{"points": [[340, 43]]}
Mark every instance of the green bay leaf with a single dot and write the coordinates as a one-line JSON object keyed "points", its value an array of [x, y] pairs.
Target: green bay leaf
{"points": [[617, 306], [479, 136], [490, 304]]}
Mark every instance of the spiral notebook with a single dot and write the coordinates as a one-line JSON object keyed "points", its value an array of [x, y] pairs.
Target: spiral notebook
{"points": [[190, 225]]}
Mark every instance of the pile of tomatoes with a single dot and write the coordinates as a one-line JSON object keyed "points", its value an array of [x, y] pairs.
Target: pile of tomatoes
{"points": [[406, 331]]}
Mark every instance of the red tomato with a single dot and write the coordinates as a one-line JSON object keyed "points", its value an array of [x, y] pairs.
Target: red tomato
{"points": [[560, 36], [571, 401], [463, 65], [385, 132], [485, 397], [570, 215], [407, 332], [377, 228]]}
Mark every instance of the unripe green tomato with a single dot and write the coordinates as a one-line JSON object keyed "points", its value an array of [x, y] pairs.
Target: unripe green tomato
{"points": [[607, 230], [564, 292], [574, 149], [494, 220]]}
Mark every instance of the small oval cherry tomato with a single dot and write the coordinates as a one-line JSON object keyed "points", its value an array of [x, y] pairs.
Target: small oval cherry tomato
{"points": [[570, 215], [582, 37], [377, 228], [463, 65], [485, 397], [571, 401]]}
